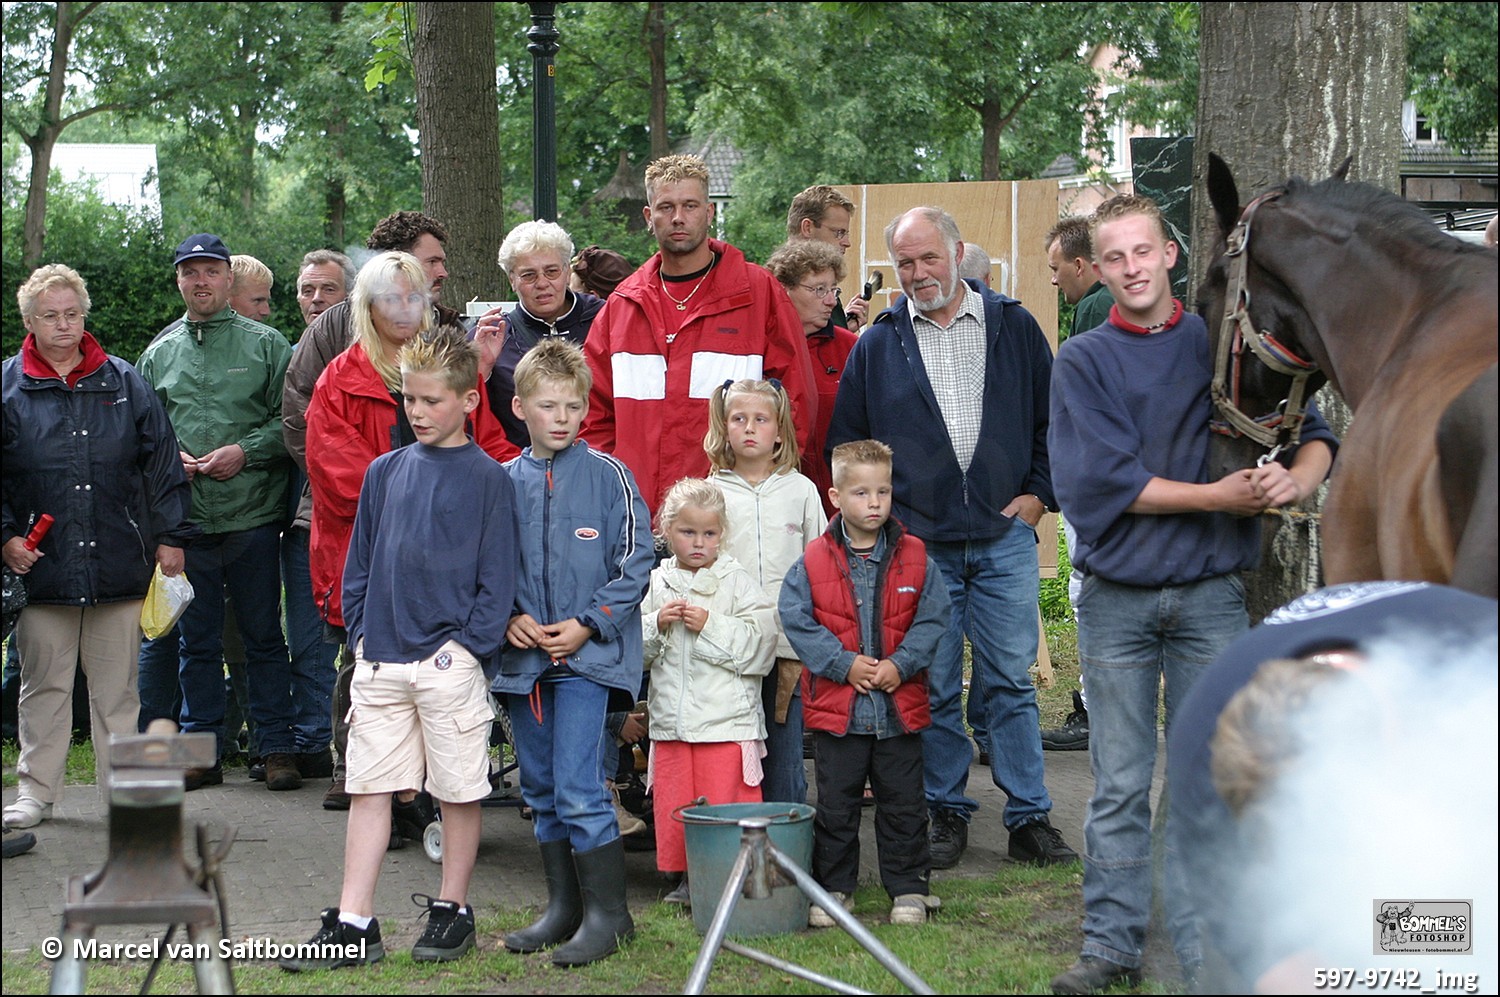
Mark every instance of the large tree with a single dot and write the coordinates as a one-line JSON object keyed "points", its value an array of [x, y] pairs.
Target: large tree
{"points": [[1293, 89], [453, 60]]}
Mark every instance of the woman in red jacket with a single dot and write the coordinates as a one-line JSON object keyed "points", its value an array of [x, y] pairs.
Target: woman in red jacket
{"points": [[356, 414]]}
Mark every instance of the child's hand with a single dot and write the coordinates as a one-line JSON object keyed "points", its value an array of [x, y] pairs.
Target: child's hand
{"points": [[694, 617], [862, 673], [562, 639], [887, 676], [634, 728], [670, 612], [524, 631]]}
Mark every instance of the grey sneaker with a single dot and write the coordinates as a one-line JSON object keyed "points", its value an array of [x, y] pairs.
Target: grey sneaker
{"points": [[1073, 735], [913, 908], [337, 945], [449, 933], [817, 917]]}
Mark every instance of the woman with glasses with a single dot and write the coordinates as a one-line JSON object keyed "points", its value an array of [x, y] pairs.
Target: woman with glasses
{"points": [[537, 260], [810, 271], [87, 442]]}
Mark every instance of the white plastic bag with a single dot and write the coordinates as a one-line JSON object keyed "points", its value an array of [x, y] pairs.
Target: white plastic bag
{"points": [[165, 601]]}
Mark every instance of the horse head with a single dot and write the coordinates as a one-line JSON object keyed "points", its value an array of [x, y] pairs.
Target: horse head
{"points": [[1265, 343]]}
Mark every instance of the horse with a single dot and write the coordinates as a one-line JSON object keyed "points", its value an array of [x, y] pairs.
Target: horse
{"points": [[1346, 281]]}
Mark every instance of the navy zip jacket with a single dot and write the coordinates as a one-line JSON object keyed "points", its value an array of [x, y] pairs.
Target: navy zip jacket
{"points": [[885, 395]]}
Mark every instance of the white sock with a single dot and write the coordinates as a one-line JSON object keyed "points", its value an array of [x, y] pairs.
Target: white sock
{"points": [[359, 921]]}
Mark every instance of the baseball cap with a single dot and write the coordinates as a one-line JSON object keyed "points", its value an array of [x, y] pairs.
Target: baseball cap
{"points": [[203, 244]]}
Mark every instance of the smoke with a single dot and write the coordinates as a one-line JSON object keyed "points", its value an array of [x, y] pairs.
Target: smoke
{"points": [[1396, 801]]}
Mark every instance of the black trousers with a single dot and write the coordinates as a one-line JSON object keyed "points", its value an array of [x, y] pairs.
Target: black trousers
{"points": [[893, 767]]}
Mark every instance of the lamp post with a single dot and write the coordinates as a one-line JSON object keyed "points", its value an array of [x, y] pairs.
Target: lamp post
{"points": [[542, 44]]}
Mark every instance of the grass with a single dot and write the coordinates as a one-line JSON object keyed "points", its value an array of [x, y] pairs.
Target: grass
{"points": [[1004, 934]]}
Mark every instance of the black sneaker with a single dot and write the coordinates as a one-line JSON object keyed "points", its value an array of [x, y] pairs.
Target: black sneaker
{"points": [[18, 842], [413, 816], [1073, 735], [337, 945], [1039, 843], [1091, 975], [198, 778], [449, 933], [947, 837]]}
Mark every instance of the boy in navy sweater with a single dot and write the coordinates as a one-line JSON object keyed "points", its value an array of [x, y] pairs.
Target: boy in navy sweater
{"points": [[1161, 549], [428, 588]]}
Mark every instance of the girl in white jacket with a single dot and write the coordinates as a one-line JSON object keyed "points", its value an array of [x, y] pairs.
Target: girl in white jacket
{"points": [[710, 635], [776, 512]]}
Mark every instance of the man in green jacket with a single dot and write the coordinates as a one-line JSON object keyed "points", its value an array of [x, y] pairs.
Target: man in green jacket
{"points": [[1070, 257], [220, 377]]}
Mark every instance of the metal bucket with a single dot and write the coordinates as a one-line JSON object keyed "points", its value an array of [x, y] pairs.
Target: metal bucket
{"points": [[712, 835]]}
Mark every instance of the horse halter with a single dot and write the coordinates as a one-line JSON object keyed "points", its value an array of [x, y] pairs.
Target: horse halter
{"points": [[1279, 429]]}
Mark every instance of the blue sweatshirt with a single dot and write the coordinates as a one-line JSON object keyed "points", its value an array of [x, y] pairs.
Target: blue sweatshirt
{"points": [[434, 555], [885, 394], [1127, 408]]}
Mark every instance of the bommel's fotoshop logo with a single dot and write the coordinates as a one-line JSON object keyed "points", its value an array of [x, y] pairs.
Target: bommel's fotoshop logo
{"points": [[1424, 926]]}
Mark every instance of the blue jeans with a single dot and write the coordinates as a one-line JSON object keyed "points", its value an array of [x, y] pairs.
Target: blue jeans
{"points": [[1129, 639], [156, 677], [312, 658], [246, 566], [785, 772], [562, 759], [993, 588]]}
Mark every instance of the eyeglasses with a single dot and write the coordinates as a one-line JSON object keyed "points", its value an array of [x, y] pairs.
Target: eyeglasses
{"points": [[72, 317], [394, 300], [529, 277], [839, 234], [819, 291]]}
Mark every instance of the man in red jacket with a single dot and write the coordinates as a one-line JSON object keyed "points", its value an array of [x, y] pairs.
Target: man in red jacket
{"points": [[693, 316]]}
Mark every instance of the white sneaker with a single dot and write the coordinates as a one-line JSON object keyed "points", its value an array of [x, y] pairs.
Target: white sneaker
{"points": [[26, 812], [817, 917], [913, 908]]}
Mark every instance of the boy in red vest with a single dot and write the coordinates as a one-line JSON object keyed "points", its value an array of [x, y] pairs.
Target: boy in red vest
{"points": [[865, 608]]}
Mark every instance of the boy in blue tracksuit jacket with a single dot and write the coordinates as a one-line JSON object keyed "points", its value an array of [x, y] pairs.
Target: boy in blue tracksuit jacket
{"points": [[586, 558]]}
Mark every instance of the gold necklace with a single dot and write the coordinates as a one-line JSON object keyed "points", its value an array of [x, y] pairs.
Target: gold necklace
{"points": [[682, 305]]}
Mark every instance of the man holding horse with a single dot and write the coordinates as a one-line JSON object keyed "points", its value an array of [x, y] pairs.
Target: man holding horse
{"points": [[1161, 548]]}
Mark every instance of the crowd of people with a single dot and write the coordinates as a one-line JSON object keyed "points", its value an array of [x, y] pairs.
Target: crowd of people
{"points": [[842, 502]]}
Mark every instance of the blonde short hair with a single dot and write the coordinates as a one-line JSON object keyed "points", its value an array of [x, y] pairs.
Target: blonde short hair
{"points": [[446, 354], [698, 492], [52, 277], [248, 268], [528, 238], [675, 169], [556, 360], [1123, 206], [716, 440], [858, 452]]}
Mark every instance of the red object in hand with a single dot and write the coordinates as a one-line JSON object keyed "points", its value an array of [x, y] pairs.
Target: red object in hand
{"points": [[37, 532]]}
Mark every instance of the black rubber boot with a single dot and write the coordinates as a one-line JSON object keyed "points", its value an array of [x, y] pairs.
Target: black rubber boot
{"points": [[606, 916], [564, 905]]}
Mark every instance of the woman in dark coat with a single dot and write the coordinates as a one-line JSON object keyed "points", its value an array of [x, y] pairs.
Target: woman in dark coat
{"points": [[87, 442]]}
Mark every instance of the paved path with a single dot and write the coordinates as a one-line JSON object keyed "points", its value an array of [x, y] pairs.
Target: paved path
{"points": [[286, 861]]}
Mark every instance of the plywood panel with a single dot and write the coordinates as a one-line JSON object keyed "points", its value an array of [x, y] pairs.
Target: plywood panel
{"points": [[1008, 218]]}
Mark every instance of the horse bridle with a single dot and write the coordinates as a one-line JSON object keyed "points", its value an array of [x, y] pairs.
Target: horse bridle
{"points": [[1279, 429]]}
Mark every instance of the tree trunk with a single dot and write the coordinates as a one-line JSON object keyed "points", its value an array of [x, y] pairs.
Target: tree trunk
{"points": [[453, 56], [1292, 89], [656, 49], [335, 194], [991, 123], [41, 142]]}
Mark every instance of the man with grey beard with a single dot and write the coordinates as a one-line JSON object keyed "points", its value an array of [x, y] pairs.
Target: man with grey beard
{"points": [[948, 359]]}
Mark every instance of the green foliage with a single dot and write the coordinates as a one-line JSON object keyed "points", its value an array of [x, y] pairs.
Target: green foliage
{"points": [[121, 254], [391, 44], [1452, 56], [1057, 608]]}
